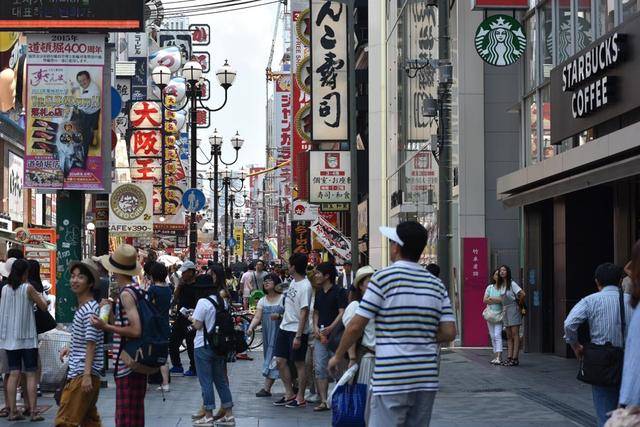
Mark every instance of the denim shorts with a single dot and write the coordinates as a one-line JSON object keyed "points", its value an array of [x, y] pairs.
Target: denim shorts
{"points": [[25, 360], [321, 356]]}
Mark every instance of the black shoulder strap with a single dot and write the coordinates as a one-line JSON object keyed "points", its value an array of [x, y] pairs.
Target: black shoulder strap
{"points": [[623, 321]]}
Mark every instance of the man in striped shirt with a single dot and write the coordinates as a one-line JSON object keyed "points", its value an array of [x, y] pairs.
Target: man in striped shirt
{"points": [[413, 315], [602, 311]]}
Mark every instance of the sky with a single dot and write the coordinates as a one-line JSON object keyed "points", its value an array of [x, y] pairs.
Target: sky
{"points": [[244, 38]]}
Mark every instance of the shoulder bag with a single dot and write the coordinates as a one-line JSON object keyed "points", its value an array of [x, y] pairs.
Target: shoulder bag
{"points": [[601, 364], [492, 316], [44, 321]]}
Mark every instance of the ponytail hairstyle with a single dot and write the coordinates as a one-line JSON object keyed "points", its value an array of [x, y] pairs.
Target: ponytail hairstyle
{"points": [[18, 270]]}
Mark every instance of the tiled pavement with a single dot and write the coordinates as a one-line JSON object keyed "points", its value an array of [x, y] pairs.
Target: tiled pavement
{"points": [[542, 391]]}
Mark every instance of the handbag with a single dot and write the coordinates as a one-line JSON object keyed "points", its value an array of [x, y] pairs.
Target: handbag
{"points": [[492, 316], [335, 336], [601, 364], [44, 321]]}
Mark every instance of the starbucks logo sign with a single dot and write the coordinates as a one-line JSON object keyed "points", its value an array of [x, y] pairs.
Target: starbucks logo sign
{"points": [[500, 40], [128, 202]]}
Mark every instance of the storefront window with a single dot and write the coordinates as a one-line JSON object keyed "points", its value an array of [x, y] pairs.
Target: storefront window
{"points": [[584, 33], [629, 7], [531, 129], [548, 150], [546, 39], [531, 53], [563, 31], [605, 16]]}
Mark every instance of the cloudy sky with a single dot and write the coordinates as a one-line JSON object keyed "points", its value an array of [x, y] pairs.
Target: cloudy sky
{"points": [[244, 38]]}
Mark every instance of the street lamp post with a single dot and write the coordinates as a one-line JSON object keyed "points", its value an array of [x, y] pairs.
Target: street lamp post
{"points": [[232, 203], [192, 72], [227, 183]]}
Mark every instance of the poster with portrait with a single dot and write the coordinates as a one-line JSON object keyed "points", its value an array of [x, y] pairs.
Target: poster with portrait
{"points": [[64, 103]]}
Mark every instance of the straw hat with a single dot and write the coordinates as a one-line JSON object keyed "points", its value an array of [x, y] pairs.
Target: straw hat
{"points": [[90, 264], [361, 274], [124, 260]]}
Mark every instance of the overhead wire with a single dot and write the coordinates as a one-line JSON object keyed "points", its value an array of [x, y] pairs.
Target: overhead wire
{"points": [[197, 10]]}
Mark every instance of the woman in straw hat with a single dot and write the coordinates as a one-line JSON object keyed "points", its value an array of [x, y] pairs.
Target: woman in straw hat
{"points": [[80, 393], [131, 387]]}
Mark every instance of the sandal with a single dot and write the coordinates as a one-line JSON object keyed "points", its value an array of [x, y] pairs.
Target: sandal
{"points": [[4, 412], [321, 407], [515, 362], [508, 362], [36, 418], [17, 417], [263, 393]]}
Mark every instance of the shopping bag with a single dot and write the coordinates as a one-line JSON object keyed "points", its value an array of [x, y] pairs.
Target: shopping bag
{"points": [[348, 405]]}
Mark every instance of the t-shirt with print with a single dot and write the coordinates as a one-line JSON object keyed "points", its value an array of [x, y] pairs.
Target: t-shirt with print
{"points": [[82, 332], [297, 297], [205, 312], [408, 303]]}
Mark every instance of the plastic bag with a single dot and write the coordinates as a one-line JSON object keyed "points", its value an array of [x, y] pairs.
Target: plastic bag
{"points": [[346, 378], [53, 370], [348, 404]]}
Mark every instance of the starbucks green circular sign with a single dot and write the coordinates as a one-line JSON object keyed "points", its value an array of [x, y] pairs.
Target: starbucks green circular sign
{"points": [[500, 40]]}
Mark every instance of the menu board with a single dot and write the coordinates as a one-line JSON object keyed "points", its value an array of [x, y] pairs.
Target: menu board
{"points": [[46, 258]]}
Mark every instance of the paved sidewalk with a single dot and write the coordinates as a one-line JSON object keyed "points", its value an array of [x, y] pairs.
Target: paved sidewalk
{"points": [[542, 391]]}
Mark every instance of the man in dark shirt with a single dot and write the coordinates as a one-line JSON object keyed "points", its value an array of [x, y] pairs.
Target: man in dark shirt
{"points": [[328, 308], [186, 295]]}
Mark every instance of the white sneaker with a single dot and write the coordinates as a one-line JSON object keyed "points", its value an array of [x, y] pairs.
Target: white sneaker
{"points": [[204, 422], [164, 388]]}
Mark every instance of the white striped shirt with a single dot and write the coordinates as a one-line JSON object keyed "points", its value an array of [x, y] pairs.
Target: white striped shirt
{"points": [[81, 333], [602, 311], [630, 388], [408, 303]]}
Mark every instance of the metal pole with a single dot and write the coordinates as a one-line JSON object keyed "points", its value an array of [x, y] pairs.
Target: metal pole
{"points": [[215, 202], [353, 146], [225, 183], [445, 170], [193, 232], [232, 200]]}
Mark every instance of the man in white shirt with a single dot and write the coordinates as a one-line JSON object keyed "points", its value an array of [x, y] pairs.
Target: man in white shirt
{"points": [[293, 335], [87, 113]]}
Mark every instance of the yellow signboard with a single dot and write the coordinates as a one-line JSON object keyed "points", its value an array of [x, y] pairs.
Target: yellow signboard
{"points": [[238, 236]]}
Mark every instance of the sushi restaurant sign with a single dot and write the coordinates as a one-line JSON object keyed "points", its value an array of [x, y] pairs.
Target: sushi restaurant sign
{"points": [[597, 84]]}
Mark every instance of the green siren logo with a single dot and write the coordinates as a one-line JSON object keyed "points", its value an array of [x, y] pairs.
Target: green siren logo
{"points": [[500, 40]]}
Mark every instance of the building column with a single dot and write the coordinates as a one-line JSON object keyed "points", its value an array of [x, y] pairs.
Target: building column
{"points": [[559, 274]]}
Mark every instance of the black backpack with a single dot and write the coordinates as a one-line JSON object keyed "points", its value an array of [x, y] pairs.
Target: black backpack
{"points": [[223, 336]]}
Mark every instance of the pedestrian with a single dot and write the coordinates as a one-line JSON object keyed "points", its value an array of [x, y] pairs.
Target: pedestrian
{"points": [[34, 276], [328, 309], [186, 297], [131, 387], [18, 336], [413, 315], [512, 317], [160, 295], [346, 277], [86, 355], [363, 353], [258, 275], [630, 387], [247, 285], [268, 313], [293, 335], [602, 312], [210, 365], [493, 296]]}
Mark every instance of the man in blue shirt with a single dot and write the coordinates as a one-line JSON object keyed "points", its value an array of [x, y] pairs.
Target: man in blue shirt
{"points": [[602, 311]]}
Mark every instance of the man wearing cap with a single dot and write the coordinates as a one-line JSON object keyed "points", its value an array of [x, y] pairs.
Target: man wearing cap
{"points": [[131, 387], [186, 297], [413, 315]]}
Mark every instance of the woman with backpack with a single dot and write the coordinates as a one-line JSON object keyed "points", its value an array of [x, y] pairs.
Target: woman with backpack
{"points": [[210, 361]]}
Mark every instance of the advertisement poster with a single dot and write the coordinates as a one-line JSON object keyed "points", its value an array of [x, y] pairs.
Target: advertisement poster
{"points": [[421, 179], [64, 104], [47, 259], [282, 128], [330, 177], [16, 195], [238, 235], [475, 261], [332, 239], [131, 210], [300, 237], [301, 88]]}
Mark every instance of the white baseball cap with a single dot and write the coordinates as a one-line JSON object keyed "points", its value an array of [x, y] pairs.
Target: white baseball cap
{"points": [[392, 234], [188, 265]]}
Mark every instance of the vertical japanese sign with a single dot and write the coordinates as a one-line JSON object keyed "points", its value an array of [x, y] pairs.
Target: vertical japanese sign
{"points": [[330, 175], [283, 122], [238, 235], [16, 193], [63, 144], [421, 177], [475, 267], [329, 79], [301, 98], [300, 237], [138, 52], [47, 259]]}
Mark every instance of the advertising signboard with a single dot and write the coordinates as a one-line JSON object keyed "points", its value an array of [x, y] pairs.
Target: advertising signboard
{"points": [[301, 88], [330, 177], [131, 210], [78, 15], [300, 237], [16, 194], [47, 259], [475, 261], [284, 119], [63, 143]]}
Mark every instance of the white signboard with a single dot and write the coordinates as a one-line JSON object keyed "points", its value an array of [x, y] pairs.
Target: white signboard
{"points": [[329, 177], [131, 210], [283, 134], [329, 84], [304, 211], [16, 198]]}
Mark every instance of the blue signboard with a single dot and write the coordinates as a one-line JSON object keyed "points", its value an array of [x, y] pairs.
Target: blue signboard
{"points": [[193, 200]]}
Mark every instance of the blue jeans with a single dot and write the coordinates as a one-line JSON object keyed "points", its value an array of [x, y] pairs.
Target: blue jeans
{"points": [[212, 369], [605, 399]]}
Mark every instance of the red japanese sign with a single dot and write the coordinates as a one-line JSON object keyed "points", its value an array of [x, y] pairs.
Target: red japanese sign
{"points": [[146, 143], [145, 114], [475, 258], [300, 237], [283, 131], [301, 105], [203, 118], [204, 59], [200, 34]]}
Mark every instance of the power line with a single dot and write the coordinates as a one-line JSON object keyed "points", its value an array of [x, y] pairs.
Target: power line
{"points": [[209, 6], [201, 13]]}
